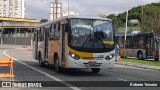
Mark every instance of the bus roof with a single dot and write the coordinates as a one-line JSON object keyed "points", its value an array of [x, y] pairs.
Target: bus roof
{"points": [[72, 17]]}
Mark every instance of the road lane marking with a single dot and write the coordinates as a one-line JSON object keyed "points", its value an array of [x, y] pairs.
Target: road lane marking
{"points": [[121, 79], [44, 73]]}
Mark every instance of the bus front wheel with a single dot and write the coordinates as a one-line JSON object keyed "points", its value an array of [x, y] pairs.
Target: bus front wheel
{"points": [[95, 70], [56, 65], [156, 59], [140, 56]]}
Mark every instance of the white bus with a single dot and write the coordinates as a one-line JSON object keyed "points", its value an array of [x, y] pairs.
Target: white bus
{"points": [[75, 42]]}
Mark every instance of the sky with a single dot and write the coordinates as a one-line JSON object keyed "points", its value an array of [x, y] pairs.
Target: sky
{"points": [[38, 9]]}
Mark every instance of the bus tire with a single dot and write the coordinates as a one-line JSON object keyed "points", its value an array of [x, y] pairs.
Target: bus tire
{"points": [[140, 55], [123, 56], [42, 64], [95, 70], [57, 68]]}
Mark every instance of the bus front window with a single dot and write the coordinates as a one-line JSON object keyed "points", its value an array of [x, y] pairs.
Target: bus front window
{"points": [[91, 33]]}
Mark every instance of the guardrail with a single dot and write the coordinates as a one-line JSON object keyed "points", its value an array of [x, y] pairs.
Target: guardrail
{"points": [[7, 62]]}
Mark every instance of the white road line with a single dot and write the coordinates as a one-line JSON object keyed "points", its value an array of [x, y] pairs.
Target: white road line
{"points": [[46, 74], [121, 79]]}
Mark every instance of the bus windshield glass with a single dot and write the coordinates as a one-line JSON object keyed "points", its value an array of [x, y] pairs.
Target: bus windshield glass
{"points": [[90, 33]]}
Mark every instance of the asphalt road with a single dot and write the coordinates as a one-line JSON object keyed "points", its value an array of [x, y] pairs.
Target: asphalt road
{"points": [[28, 69]]}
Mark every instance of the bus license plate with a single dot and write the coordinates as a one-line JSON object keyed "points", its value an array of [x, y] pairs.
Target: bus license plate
{"points": [[91, 63]]}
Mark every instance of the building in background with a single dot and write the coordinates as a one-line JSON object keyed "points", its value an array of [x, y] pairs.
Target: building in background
{"points": [[12, 8], [55, 10], [17, 31], [71, 13]]}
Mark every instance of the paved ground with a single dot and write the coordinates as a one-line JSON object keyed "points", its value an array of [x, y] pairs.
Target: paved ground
{"points": [[28, 69]]}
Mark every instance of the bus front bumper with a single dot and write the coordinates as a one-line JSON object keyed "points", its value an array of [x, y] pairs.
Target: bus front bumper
{"points": [[72, 63]]}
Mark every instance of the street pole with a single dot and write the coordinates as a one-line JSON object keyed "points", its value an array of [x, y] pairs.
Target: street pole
{"points": [[56, 3], [68, 7], [126, 31], [15, 35], [142, 17], [1, 35]]}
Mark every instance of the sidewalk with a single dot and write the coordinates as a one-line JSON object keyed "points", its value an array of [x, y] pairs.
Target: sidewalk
{"points": [[138, 65]]}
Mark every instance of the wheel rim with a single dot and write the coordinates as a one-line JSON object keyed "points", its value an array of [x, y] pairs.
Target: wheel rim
{"points": [[140, 56], [56, 64], [40, 61]]}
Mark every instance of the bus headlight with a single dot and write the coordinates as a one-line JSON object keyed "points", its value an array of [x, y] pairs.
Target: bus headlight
{"points": [[74, 56], [109, 57]]}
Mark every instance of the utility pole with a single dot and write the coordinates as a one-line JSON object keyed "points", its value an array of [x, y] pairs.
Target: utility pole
{"points": [[126, 31], [68, 7], [56, 3], [142, 17]]}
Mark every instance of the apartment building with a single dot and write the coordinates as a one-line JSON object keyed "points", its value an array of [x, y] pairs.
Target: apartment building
{"points": [[12, 8], [55, 10]]}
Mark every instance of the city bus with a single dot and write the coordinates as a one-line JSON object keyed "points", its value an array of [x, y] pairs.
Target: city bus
{"points": [[143, 45], [75, 42]]}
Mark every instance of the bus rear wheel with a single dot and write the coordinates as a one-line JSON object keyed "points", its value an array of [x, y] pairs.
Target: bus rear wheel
{"points": [[95, 70], [42, 64]]}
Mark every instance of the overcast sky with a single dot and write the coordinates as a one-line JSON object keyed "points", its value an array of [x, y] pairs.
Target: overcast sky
{"points": [[38, 9]]}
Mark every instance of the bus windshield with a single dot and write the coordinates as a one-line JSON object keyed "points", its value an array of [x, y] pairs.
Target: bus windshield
{"points": [[91, 33]]}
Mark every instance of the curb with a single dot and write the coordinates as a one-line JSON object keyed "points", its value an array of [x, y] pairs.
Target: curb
{"points": [[138, 65]]}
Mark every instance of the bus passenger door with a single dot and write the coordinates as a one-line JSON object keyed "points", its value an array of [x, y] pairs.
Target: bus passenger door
{"points": [[149, 47], [62, 44], [35, 45]]}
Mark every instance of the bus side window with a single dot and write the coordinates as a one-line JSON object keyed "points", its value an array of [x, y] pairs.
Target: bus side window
{"points": [[135, 43], [57, 32], [39, 35], [129, 42], [52, 32], [42, 34], [34, 36], [141, 43]]}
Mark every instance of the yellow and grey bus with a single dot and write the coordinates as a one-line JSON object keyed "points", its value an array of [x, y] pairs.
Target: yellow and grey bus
{"points": [[143, 45], [75, 42]]}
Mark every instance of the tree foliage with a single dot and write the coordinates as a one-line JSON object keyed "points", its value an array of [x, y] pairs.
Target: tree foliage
{"points": [[151, 20], [148, 16], [116, 21], [43, 20]]}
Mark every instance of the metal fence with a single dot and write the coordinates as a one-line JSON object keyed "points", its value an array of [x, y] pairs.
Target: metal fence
{"points": [[17, 39]]}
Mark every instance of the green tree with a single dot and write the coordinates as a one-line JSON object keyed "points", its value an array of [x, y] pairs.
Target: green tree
{"points": [[43, 20], [147, 15], [151, 20], [116, 21]]}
